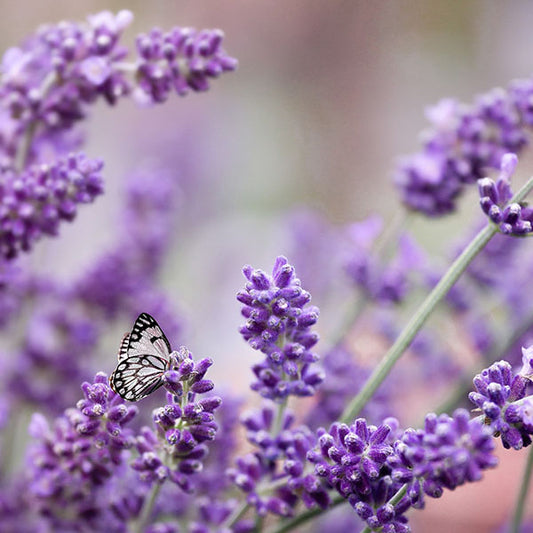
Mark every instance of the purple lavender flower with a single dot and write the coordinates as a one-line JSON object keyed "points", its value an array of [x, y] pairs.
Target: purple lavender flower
{"points": [[69, 462], [177, 447], [212, 480], [54, 355], [498, 394], [179, 61], [122, 281], [279, 325], [512, 219], [382, 283], [448, 452], [354, 460], [33, 203], [16, 284], [280, 457], [49, 80], [462, 143]]}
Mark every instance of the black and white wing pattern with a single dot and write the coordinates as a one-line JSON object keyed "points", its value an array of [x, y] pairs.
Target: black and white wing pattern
{"points": [[143, 358]]}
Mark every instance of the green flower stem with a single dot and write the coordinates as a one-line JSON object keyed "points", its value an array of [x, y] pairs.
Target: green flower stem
{"points": [[382, 249], [278, 422], [424, 311], [23, 150], [306, 516], [235, 516], [351, 318], [140, 524], [520, 503], [393, 501]]}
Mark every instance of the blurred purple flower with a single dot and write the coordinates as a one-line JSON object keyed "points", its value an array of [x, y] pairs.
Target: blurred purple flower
{"points": [[179, 61], [72, 460], [33, 203], [382, 283], [280, 456], [462, 143], [48, 81], [512, 219]]}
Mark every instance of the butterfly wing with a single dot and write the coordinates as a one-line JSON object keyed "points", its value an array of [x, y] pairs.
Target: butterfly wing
{"points": [[143, 358], [138, 376], [123, 351], [147, 337]]}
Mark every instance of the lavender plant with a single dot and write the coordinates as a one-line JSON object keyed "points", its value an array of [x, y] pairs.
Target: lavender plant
{"points": [[323, 434]]}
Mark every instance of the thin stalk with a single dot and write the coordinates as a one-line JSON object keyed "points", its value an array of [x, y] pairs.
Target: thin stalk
{"points": [[234, 517], [140, 524], [393, 501], [382, 249], [23, 150], [524, 488], [352, 317], [306, 516], [424, 311], [278, 423]]}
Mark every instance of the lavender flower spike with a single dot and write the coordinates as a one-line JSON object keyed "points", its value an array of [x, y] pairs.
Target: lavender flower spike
{"points": [[179, 61], [279, 325], [500, 396], [446, 453], [462, 143], [177, 448], [513, 219], [33, 203], [70, 462]]}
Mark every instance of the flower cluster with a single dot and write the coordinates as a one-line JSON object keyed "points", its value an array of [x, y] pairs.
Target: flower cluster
{"points": [[462, 143], [511, 218], [70, 461], [353, 460], [448, 452], [280, 458], [58, 71], [46, 87], [33, 203], [382, 283], [279, 325], [500, 395], [179, 61], [177, 447], [44, 364]]}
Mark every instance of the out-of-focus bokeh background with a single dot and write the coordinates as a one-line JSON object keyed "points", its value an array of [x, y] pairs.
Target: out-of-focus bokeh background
{"points": [[328, 94]]}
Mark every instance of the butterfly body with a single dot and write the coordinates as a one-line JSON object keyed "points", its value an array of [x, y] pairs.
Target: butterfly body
{"points": [[144, 357]]}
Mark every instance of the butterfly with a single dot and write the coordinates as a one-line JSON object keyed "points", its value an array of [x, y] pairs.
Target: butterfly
{"points": [[143, 358]]}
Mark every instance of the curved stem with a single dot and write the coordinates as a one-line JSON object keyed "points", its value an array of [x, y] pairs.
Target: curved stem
{"points": [[351, 318], [424, 311], [140, 524], [234, 517], [24, 149], [381, 249], [524, 487], [393, 501], [417, 321]]}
